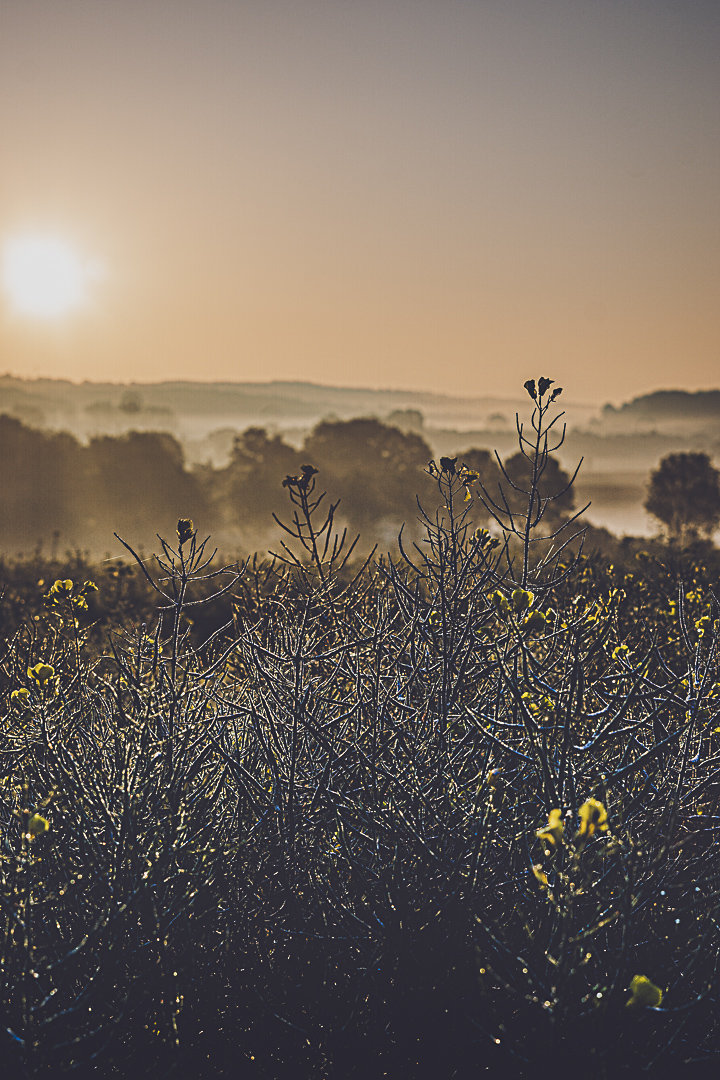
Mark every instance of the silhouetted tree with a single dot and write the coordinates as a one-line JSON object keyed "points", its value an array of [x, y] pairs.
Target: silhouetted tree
{"points": [[376, 470], [138, 486], [43, 490], [684, 494], [249, 490], [130, 403]]}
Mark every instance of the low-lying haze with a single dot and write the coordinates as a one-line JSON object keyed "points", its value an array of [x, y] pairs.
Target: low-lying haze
{"points": [[206, 421]]}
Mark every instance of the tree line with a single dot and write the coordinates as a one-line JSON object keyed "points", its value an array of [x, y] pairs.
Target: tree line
{"points": [[57, 493]]}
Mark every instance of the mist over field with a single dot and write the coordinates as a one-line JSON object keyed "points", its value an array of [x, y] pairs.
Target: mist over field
{"points": [[90, 459]]}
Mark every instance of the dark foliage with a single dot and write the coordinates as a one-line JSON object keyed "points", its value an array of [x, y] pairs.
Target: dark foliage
{"points": [[248, 492], [42, 489], [684, 494], [374, 470]]}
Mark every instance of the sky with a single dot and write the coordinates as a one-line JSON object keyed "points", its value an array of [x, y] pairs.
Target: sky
{"points": [[444, 195]]}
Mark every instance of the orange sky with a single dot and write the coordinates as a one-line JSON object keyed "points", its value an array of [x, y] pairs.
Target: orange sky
{"points": [[435, 194]]}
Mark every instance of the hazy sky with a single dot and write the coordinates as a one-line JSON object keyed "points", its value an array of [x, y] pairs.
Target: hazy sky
{"points": [[439, 194]]}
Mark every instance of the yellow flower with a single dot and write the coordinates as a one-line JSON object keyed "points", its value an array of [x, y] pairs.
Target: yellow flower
{"points": [[484, 538], [500, 603], [593, 818], [535, 622], [645, 994], [58, 592], [20, 697], [41, 673], [522, 600], [468, 477], [37, 825], [552, 833], [540, 876], [620, 652]]}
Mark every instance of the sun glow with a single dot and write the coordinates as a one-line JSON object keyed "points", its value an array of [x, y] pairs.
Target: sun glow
{"points": [[43, 276]]}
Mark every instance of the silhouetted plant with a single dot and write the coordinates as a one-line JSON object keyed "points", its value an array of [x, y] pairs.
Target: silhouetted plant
{"points": [[553, 483], [532, 493], [320, 547]]}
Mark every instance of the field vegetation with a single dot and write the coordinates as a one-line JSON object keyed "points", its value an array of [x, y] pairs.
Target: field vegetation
{"points": [[442, 813]]}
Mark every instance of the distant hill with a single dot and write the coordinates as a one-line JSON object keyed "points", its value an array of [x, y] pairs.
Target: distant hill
{"points": [[191, 410], [667, 410]]}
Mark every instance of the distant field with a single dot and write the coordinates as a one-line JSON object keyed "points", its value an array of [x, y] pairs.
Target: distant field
{"points": [[617, 501]]}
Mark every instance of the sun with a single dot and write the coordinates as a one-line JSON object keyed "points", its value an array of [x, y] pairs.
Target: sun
{"points": [[43, 276]]}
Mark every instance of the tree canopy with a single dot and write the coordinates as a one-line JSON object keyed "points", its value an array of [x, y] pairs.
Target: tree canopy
{"points": [[684, 494]]}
